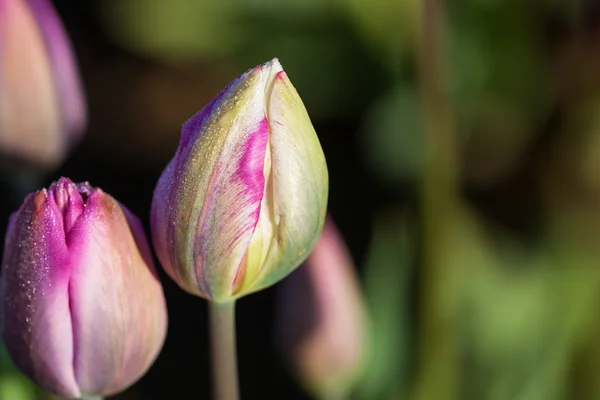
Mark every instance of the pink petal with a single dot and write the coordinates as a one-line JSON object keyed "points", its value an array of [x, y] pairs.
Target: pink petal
{"points": [[30, 117], [118, 309], [64, 67], [35, 311]]}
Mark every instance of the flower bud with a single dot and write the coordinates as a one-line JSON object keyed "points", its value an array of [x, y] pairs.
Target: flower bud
{"points": [[42, 110], [322, 321], [243, 201], [82, 311]]}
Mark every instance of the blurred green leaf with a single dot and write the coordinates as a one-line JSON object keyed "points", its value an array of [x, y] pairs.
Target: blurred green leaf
{"points": [[387, 287], [523, 310], [16, 387], [174, 29], [183, 30], [13, 382], [300, 8], [390, 28]]}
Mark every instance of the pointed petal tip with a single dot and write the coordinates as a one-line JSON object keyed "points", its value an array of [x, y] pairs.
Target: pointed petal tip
{"points": [[61, 183], [273, 63], [272, 68], [64, 183]]}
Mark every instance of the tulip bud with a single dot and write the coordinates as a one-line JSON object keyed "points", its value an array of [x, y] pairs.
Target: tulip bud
{"points": [[42, 110], [82, 311], [243, 201], [322, 320]]}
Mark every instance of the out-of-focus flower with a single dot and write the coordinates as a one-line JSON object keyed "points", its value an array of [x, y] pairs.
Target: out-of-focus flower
{"points": [[82, 311], [244, 199], [42, 109], [322, 320]]}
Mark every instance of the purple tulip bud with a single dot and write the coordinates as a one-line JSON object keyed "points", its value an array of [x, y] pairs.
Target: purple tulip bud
{"points": [[82, 311], [322, 320], [243, 201], [42, 109]]}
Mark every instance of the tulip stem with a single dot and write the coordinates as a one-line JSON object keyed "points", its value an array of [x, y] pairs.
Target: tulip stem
{"points": [[87, 397], [223, 348], [437, 373]]}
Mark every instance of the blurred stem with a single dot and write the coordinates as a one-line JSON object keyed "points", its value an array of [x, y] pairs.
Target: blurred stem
{"points": [[223, 347], [438, 373], [84, 397]]}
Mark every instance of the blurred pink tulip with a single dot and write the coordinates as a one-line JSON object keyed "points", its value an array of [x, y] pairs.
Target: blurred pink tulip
{"points": [[322, 320], [42, 108]]}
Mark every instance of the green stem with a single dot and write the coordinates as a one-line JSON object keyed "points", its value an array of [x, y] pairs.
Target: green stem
{"points": [[86, 397], [223, 347], [438, 370]]}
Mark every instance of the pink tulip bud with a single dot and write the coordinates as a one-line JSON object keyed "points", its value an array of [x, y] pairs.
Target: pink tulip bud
{"points": [[42, 109], [82, 311], [322, 319], [243, 201]]}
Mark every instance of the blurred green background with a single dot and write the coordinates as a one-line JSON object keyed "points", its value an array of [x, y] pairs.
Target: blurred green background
{"points": [[482, 276]]}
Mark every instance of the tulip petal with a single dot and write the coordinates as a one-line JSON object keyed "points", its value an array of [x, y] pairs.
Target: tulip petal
{"points": [[217, 176], [28, 89], [298, 183], [35, 307], [64, 68], [69, 202], [107, 333], [162, 227], [243, 201]]}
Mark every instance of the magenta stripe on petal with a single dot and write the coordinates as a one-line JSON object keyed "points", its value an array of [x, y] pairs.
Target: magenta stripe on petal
{"points": [[232, 207], [251, 164]]}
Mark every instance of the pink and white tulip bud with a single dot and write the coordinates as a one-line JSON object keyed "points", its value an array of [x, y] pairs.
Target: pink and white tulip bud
{"points": [[243, 201], [42, 109], [322, 320], [82, 312]]}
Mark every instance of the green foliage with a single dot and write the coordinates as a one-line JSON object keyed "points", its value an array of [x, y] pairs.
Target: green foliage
{"points": [[13, 384], [16, 387], [388, 270]]}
